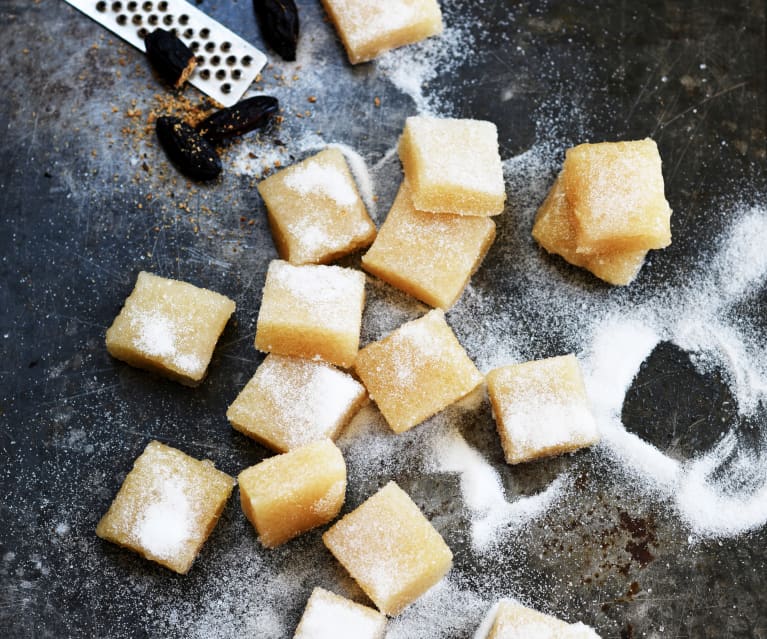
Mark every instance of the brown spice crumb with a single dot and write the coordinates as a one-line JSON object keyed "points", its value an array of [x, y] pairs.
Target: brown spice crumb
{"points": [[377, 101], [312, 98]]}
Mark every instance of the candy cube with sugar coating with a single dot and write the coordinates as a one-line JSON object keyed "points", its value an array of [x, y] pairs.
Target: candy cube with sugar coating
{"points": [[514, 621], [390, 549], [370, 27], [169, 327], [417, 371], [429, 256], [616, 193], [311, 311], [291, 402], [167, 506], [330, 616], [541, 408], [288, 494], [453, 166], [315, 212], [554, 231]]}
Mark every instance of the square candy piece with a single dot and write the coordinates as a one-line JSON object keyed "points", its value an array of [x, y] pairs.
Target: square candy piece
{"points": [[514, 621], [169, 327], [417, 371], [329, 616], [287, 495], [390, 549], [370, 27], [429, 256], [453, 166], [167, 506], [555, 232], [291, 402], [541, 408], [616, 193], [315, 211], [312, 311]]}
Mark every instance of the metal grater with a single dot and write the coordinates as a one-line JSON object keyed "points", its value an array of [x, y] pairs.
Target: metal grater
{"points": [[226, 64]]}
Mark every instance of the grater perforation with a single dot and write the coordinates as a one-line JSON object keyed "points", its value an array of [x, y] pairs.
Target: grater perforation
{"points": [[226, 64]]}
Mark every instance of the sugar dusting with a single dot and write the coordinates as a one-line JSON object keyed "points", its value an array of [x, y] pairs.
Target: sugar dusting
{"points": [[483, 492], [158, 336], [411, 68], [167, 522], [315, 178]]}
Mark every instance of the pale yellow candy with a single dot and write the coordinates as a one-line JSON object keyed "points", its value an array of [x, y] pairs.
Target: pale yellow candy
{"points": [[453, 166], [615, 190], [327, 614], [291, 402], [555, 232], [288, 494], [370, 27], [167, 506], [169, 327], [311, 311], [541, 408], [315, 211], [430, 256], [390, 549], [417, 371], [514, 621]]}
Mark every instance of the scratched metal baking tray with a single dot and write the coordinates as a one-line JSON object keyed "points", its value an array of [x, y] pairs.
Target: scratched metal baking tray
{"points": [[87, 202]]}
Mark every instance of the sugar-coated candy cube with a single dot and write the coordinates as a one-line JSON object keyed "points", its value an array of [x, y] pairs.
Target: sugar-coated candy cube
{"points": [[288, 494], [617, 196], [370, 27], [312, 311], [541, 408], [514, 621], [453, 166], [417, 371], [167, 506], [390, 549], [330, 616], [555, 232], [169, 327], [429, 256], [291, 402], [315, 211]]}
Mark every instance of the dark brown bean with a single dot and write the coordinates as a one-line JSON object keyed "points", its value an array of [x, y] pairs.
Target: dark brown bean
{"points": [[247, 115], [278, 20], [192, 154], [171, 58]]}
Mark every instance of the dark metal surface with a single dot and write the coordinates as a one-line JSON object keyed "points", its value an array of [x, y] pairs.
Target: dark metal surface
{"points": [[73, 238]]}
